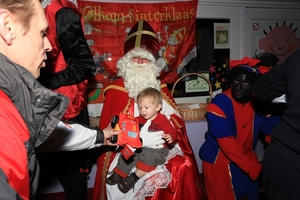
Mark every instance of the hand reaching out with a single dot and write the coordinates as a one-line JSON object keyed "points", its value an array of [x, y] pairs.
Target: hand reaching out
{"points": [[108, 133]]}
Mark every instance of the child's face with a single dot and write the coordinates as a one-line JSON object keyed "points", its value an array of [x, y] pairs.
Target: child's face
{"points": [[148, 108]]}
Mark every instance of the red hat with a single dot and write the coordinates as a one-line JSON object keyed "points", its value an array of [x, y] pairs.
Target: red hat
{"points": [[142, 36], [251, 63]]}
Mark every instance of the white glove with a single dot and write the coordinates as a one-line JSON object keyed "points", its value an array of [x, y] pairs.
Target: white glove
{"points": [[151, 139]]}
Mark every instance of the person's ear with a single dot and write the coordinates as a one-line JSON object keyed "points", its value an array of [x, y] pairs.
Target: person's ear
{"points": [[6, 31], [158, 107]]}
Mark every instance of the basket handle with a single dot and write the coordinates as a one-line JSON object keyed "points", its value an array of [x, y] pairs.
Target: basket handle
{"points": [[200, 75]]}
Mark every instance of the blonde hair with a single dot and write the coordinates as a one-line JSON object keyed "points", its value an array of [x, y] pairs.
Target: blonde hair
{"points": [[23, 10], [150, 93]]}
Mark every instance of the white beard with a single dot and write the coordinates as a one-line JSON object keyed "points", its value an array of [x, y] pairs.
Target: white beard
{"points": [[136, 78]]}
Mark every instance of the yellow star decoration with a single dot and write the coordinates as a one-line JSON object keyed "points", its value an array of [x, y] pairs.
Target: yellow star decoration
{"points": [[218, 84]]}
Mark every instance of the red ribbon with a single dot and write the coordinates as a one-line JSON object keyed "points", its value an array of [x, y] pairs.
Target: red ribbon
{"points": [[250, 62]]}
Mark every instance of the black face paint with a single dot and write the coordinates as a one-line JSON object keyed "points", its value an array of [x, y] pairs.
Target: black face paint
{"points": [[241, 88]]}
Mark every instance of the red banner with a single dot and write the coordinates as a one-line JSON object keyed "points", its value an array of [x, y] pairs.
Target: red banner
{"points": [[107, 25]]}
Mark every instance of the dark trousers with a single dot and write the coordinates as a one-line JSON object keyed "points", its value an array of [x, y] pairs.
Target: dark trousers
{"points": [[271, 191], [71, 168]]}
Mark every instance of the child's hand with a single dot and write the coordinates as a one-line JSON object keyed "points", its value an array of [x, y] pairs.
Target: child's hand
{"points": [[168, 138]]}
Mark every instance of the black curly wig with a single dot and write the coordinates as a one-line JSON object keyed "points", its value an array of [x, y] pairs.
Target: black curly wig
{"points": [[251, 73], [267, 59]]}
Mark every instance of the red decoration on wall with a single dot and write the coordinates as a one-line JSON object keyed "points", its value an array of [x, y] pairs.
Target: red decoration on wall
{"points": [[107, 25]]}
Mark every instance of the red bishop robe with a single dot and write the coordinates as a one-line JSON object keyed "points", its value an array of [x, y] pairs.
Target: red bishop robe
{"points": [[185, 182]]}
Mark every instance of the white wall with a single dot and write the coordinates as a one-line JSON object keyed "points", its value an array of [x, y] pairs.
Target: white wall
{"points": [[241, 13], [265, 14]]}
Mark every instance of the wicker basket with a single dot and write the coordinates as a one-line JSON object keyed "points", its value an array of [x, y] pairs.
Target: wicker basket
{"points": [[192, 114]]}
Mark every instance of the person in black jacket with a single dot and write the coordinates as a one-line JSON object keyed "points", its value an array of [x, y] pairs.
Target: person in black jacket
{"points": [[68, 67], [281, 164], [23, 47]]}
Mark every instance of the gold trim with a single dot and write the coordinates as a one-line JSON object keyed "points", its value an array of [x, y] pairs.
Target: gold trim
{"points": [[230, 175], [127, 107], [166, 97], [170, 102], [212, 112], [139, 34], [217, 156], [105, 167], [116, 87]]}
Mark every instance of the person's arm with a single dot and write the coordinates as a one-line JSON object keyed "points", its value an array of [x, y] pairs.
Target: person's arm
{"points": [[168, 128], [248, 162], [271, 84], [223, 131], [75, 50], [72, 137]]}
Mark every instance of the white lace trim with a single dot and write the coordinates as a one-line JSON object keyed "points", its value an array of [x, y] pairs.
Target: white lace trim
{"points": [[151, 184], [174, 152], [148, 184], [45, 3], [159, 180]]}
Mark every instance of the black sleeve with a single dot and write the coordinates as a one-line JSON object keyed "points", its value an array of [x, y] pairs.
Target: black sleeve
{"points": [[75, 50], [271, 84], [6, 191]]}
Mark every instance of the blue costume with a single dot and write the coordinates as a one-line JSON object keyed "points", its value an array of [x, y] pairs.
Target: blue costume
{"points": [[230, 165]]}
